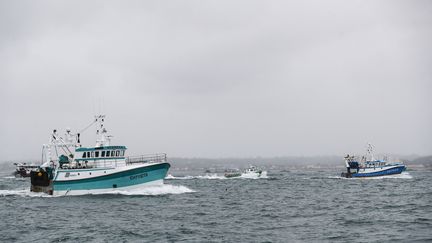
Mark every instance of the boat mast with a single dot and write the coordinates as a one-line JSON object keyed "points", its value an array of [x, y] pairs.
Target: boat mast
{"points": [[370, 151], [103, 139]]}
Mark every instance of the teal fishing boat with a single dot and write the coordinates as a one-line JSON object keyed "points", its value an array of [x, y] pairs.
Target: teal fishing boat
{"points": [[70, 169]]}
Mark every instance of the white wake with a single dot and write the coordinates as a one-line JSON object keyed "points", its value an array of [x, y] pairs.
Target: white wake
{"points": [[22, 193], [218, 177], [207, 176], [151, 190], [145, 191], [403, 175]]}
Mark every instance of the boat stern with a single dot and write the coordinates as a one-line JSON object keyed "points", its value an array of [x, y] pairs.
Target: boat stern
{"points": [[41, 181]]}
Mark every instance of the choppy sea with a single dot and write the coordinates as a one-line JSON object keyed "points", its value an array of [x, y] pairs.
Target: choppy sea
{"points": [[286, 206]]}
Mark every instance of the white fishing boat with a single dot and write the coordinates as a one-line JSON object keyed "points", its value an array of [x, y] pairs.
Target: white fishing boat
{"points": [[252, 172], [23, 169], [70, 169], [368, 166]]}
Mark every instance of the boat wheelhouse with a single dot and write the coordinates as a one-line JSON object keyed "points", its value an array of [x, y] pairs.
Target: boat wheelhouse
{"points": [[98, 156]]}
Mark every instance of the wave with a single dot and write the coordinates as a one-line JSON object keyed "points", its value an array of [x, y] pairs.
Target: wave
{"points": [[207, 176], [403, 175], [217, 177], [7, 178], [255, 176], [22, 193], [147, 191], [151, 191]]}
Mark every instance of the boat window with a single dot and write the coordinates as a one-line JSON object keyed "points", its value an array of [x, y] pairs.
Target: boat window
{"points": [[122, 153], [88, 154], [92, 154], [117, 153], [84, 155], [103, 154], [97, 154], [112, 153]]}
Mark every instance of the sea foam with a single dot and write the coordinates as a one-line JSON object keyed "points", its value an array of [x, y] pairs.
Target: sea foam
{"points": [[145, 191], [403, 175], [217, 177]]}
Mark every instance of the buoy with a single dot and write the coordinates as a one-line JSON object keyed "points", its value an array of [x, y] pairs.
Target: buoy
{"points": [[40, 174]]}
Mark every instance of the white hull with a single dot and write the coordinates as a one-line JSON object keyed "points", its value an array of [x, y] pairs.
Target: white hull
{"points": [[81, 174], [263, 174], [376, 169], [109, 190]]}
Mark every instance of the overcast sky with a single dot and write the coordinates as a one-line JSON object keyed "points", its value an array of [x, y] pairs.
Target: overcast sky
{"points": [[219, 78]]}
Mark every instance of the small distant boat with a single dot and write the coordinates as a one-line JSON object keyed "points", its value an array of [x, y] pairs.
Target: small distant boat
{"points": [[24, 169], [252, 171], [370, 167]]}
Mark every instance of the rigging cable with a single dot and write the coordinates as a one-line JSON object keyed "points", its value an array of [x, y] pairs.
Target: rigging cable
{"points": [[87, 127]]}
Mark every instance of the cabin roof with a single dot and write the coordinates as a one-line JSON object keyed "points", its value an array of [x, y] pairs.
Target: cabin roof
{"points": [[82, 149]]}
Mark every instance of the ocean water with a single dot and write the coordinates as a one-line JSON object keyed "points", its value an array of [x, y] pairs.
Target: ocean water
{"points": [[285, 206]]}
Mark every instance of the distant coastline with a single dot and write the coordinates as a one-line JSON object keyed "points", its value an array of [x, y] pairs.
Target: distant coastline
{"points": [[296, 162]]}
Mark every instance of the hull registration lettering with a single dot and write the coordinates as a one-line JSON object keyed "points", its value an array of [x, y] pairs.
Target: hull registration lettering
{"points": [[140, 176]]}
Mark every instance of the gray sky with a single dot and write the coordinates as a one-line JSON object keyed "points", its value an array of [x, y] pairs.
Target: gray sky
{"points": [[219, 78]]}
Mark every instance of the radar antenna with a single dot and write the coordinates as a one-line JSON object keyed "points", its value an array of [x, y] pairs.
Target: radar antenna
{"points": [[369, 150]]}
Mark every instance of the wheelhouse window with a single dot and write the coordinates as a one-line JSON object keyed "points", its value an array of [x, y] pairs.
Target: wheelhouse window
{"points": [[117, 153], [112, 153], [122, 153], [97, 154], [92, 154], [88, 154], [84, 155], [103, 154]]}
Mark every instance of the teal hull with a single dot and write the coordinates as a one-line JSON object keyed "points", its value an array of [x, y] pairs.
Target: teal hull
{"points": [[127, 178]]}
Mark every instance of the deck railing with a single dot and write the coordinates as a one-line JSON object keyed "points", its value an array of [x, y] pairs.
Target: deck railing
{"points": [[150, 158], [109, 163]]}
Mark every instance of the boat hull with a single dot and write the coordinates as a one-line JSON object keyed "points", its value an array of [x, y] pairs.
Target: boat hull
{"points": [[76, 192], [99, 180], [374, 172], [115, 178], [232, 175]]}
